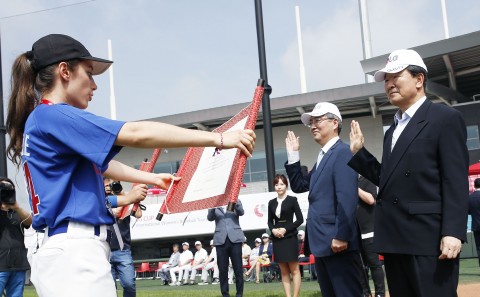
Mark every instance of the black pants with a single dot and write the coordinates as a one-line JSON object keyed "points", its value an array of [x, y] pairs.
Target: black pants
{"points": [[234, 252], [476, 236], [421, 276], [339, 275], [372, 263]]}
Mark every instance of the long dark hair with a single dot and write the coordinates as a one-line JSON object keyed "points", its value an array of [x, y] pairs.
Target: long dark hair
{"points": [[27, 87]]}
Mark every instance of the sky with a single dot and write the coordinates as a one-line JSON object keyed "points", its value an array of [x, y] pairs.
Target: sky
{"points": [[176, 56]]}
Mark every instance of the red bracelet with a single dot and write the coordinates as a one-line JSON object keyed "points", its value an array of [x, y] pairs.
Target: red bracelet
{"points": [[217, 150]]}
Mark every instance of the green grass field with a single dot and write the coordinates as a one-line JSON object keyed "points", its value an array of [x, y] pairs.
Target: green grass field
{"points": [[469, 273]]}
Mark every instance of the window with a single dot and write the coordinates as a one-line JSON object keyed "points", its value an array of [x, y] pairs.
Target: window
{"points": [[256, 166], [473, 142]]}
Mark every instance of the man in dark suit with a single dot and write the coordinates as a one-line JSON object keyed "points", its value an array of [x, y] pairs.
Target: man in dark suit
{"points": [[228, 240], [331, 229], [422, 203], [474, 211]]}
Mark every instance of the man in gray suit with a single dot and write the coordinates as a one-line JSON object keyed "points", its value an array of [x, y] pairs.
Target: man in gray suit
{"points": [[228, 240], [164, 273]]}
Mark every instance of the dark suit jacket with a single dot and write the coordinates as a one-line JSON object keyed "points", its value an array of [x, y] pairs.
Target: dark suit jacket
{"points": [[474, 209], [227, 224], [332, 200], [289, 208], [423, 184], [269, 250]]}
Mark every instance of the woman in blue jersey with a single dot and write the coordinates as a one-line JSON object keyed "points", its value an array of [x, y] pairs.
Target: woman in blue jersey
{"points": [[65, 151]]}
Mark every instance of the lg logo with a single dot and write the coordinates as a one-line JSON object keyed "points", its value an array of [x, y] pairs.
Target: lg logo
{"points": [[392, 59]]}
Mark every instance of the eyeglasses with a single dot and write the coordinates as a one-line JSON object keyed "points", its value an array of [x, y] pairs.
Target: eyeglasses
{"points": [[317, 121]]}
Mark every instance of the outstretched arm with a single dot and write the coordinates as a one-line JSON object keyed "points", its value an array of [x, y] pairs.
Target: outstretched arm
{"points": [[119, 171], [153, 134]]}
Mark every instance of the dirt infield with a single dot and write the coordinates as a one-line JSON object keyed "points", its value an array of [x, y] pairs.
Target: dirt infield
{"points": [[465, 290], [469, 290]]}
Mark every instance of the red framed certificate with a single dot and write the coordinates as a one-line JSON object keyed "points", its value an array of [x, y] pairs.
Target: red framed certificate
{"points": [[212, 179]]}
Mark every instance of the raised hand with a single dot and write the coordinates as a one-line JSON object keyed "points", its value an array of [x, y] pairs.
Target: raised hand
{"points": [[356, 137], [292, 142]]}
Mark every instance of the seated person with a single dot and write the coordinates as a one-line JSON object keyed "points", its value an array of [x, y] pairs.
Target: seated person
{"points": [[253, 258], [164, 273], [265, 253], [184, 262], [246, 250], [210, 263], [301, 254], [198, 262]]}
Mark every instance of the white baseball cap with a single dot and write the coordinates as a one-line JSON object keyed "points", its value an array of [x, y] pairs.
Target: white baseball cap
{"points": [[399, 60], [319, 110], [258, 240], [198, 243], [265, 235], [185, 243], [301, 232]]}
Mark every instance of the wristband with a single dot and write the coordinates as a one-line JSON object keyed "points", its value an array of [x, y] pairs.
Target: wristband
{"points": [[112, 199], [217, 150]]}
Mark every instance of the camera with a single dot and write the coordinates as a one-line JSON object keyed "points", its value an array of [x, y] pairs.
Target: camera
{"points": [[7, 193], [116, 187]]}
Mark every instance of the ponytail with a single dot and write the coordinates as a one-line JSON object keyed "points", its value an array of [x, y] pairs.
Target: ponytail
{"points": [[22, 101], [27, 87]]}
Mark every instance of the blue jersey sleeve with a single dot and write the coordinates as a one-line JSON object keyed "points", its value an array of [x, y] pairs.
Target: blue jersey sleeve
{"points": [[80, 132]]}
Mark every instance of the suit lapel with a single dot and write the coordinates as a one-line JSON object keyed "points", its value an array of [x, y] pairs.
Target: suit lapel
{"points": [[321, 166], [274, 206], [413, 128]]}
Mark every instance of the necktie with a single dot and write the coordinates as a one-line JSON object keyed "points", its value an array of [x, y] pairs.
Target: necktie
{"points": [[319, 158]]}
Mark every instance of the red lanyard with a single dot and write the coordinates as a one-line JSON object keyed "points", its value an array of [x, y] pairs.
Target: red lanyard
{"points": [[47, 102]]}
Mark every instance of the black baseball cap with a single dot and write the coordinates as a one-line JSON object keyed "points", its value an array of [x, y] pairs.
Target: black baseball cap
{"points": [[55, 48]]}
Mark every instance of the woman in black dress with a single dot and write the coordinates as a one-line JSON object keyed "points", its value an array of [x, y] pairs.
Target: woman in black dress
{"points": [[284, 234]]}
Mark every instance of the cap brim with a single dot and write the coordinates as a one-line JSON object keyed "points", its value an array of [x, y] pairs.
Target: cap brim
{"points": [[380, 74], [305, 118], [99, 65]]}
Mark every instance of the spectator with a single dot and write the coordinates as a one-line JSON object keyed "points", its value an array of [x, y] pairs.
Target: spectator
{"points": [[302, 258], [210, 263], [184, 263], [201, 256], [253, 259], [367, 193], [246, 250], [13, 254], [121, 259], [474, 211], [164, 273], [265, 252]]}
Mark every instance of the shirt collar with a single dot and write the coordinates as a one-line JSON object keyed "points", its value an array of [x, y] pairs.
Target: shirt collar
{"points": [[329, 144], [410, 112]]}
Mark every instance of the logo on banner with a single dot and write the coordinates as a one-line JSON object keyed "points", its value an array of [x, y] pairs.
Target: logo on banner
{"points": [[260, 210]]}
